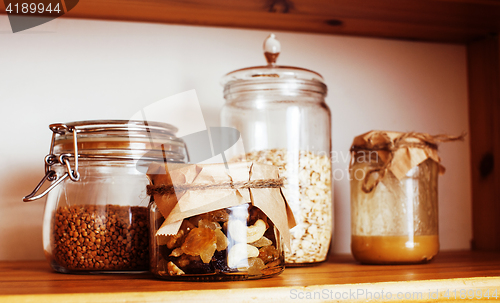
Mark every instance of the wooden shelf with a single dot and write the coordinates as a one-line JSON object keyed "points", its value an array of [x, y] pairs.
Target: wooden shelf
{"points": [[33, 281], [457, 21]]}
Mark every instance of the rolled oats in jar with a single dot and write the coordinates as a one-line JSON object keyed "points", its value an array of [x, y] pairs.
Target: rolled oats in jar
{"points": [[96, 212], [210, 224], [283, 119]]}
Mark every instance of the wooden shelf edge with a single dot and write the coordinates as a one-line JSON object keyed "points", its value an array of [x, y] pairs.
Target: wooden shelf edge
{"points": [[339, 279], [414, 291]]}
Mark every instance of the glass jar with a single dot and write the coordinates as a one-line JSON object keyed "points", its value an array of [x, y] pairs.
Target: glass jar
{"points": [[283, 119], [393, 220], [95, 217], [215, 222], [247, 246]]}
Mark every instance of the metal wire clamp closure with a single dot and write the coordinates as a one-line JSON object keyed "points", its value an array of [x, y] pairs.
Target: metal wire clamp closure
{"points": [[52, 159]]}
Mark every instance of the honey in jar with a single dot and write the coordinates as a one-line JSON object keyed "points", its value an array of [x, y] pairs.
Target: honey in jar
{"points": [[394, 198]]}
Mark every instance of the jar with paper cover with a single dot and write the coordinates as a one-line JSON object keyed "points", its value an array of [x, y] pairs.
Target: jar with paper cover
{"points": [[283, 119], [95, 216], [394, 197], [209, 223]]}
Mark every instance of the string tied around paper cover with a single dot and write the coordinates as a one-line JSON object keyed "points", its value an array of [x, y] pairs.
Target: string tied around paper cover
{"points": [[171, 189], [405, 140]]}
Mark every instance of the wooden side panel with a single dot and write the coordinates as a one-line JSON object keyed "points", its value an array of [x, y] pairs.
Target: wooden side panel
{"points": [[484, 114]]}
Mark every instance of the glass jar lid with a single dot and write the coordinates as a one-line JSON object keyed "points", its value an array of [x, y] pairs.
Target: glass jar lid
{"points": [[119, 140], [273, 77]]}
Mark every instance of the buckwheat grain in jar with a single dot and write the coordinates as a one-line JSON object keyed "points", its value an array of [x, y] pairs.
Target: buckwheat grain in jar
{"points": [[95, 216], [394, 197], [214, 222], [284, 121]]}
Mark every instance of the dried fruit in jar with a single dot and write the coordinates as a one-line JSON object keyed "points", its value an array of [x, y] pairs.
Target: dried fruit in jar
{"points": [[268, 253], [262, 242], [200, 242], [173, 270], [218, 242], [176, 252], [204, 223], [219, 215], [255, 266], [192, 264], [219, 262], [222, 241], [171, 241]]}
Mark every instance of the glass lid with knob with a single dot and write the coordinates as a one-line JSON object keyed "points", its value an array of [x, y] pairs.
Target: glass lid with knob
{"points": [[286, 79]]}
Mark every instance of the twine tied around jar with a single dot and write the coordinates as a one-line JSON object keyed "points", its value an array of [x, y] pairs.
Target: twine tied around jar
{"points": [[163, 189], [391, 145]]}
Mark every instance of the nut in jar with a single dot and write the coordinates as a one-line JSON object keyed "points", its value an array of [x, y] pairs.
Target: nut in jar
{"points": [[208, 223]]}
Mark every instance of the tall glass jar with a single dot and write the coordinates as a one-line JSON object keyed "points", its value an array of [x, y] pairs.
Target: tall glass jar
{"points": [[283, 119], [95, 217], [393, 220]]}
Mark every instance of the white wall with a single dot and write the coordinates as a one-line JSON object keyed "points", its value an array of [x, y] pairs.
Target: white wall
{"points": [[68, 70]]}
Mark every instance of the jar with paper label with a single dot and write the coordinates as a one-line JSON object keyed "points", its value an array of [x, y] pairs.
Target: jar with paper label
{"points": [[209, 223], [394, 197], [284, 121], [95, 181]]}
